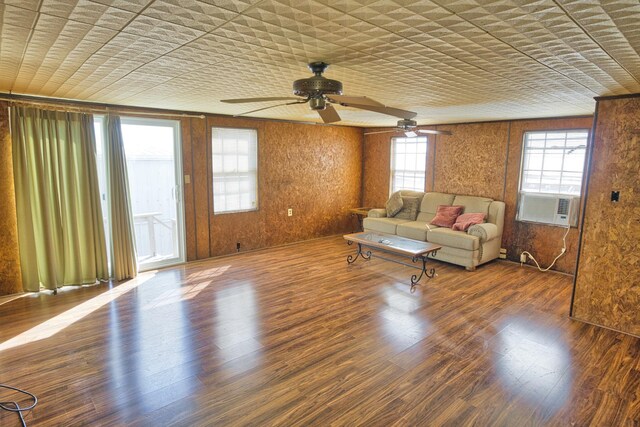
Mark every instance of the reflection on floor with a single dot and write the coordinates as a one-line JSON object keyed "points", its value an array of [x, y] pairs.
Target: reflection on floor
{"points": [[294, 336]]}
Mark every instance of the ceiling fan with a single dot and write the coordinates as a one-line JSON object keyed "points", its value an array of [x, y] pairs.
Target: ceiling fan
{"points": [[409, 126], [320, 92]]}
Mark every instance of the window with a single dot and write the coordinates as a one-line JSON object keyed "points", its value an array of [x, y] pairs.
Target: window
{"points": [[553, 161], [408, 163], [235, 170]]}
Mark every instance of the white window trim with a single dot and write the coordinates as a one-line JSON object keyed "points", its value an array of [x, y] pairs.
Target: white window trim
{"points": [[524, 153], [392, 169], [257, 196]]}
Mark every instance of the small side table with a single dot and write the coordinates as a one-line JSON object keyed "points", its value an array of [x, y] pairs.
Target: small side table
{"points": [[359, 213]]}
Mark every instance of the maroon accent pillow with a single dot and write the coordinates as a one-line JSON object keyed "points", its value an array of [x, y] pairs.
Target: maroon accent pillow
{"points": [[446, 215], [464, 221]]}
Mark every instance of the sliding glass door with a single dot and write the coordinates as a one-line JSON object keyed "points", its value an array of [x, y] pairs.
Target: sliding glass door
{"points": [[154, 166]]}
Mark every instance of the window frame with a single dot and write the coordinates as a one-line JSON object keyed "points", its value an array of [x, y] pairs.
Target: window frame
{"points": [[257, 170], [392, 161], [524, 153]]}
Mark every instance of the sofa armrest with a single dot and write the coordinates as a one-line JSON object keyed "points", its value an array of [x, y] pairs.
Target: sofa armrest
{"points": [[377, 213], [485, 232]]}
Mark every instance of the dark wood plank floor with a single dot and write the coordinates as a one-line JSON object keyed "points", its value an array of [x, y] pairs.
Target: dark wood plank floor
{"points": [[293, 336]]}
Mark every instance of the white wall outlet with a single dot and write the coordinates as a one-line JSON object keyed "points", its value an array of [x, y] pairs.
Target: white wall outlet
{"points": [[187, 179], [289, 212], [523, 257]]}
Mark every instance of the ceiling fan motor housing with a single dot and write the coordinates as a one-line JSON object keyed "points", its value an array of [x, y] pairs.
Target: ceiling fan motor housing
{"points": [[407, 124], [317, 86]]}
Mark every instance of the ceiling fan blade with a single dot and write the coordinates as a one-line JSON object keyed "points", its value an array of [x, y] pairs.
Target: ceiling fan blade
{"points": [[271, 106], [434, 132], [360, 100], [246, 100], [329, 114], [380, 131], [410, 134], [396, 112]]}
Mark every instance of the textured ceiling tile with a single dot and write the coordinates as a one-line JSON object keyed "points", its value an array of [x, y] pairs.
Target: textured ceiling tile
{"points": [[129, 5], [614, 25], [161, 30], [16, 16], [59, 8], [94, 14], [544, 32], [233, 5], [24, 4], [448, 60], [190, 13], [73, 29]]}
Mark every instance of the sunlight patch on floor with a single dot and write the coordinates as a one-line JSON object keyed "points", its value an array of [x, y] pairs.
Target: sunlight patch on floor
{"points": [[56, 324], [184, 293]]}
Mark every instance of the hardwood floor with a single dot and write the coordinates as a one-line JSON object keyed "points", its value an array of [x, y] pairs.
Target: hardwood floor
{"points": [[294, 336]]}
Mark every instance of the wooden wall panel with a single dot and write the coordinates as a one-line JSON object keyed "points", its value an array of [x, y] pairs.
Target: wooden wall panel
{"points": [[314, 170], [376, 170], [10, 276], [200, 182], [543, 241], [607, 290], [471, 160], [187, 191]]}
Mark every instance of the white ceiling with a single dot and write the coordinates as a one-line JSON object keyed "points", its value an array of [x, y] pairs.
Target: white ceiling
{"points": [[448, 60]]}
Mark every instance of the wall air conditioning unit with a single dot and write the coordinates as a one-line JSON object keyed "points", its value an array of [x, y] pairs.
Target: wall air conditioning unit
{"points": [[556, 209]]}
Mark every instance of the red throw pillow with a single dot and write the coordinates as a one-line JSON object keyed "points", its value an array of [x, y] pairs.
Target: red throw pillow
{"points": [[446, 215], [464, 221]]}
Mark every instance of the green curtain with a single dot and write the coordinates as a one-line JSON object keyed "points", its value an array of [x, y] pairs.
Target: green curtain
{"points": [[60, 224], [123, 249]]}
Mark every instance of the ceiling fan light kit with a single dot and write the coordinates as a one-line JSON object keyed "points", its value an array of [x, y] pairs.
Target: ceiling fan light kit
{"points": [[320, 92]]}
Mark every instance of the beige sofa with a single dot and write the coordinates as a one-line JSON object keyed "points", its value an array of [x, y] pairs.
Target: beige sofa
{"points": [[480, 244]]}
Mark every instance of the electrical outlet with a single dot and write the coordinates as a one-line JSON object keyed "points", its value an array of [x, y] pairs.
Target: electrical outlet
{"points": [[523, 257], [289, 212]]}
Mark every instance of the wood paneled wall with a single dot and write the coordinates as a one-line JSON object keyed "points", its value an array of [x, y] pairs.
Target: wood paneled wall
{"points": [[607, 284], [10, 276], [480, 159], [314, 170], [471, 160]]}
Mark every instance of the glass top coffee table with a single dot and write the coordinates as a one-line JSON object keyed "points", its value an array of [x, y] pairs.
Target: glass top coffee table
{"points": [[416, 250]]}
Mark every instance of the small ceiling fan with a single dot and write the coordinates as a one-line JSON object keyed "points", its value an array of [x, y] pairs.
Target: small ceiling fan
{"points": [[320, 92], [409, 126]]}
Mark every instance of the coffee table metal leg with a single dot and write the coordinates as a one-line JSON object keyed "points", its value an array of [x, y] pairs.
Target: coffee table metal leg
{"points": [[364, 255], [429, 273]]}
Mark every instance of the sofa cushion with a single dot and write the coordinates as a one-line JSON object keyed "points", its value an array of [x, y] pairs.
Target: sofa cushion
{"points": [[409, 209], [466, 220], [455, 239], [394, 204], [473, 204], [416, 230], [431, 201], [382, 225], [446, 215]]}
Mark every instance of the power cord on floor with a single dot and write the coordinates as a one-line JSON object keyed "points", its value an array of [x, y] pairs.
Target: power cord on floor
{"points": [[16, 407], [562, 252]]}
